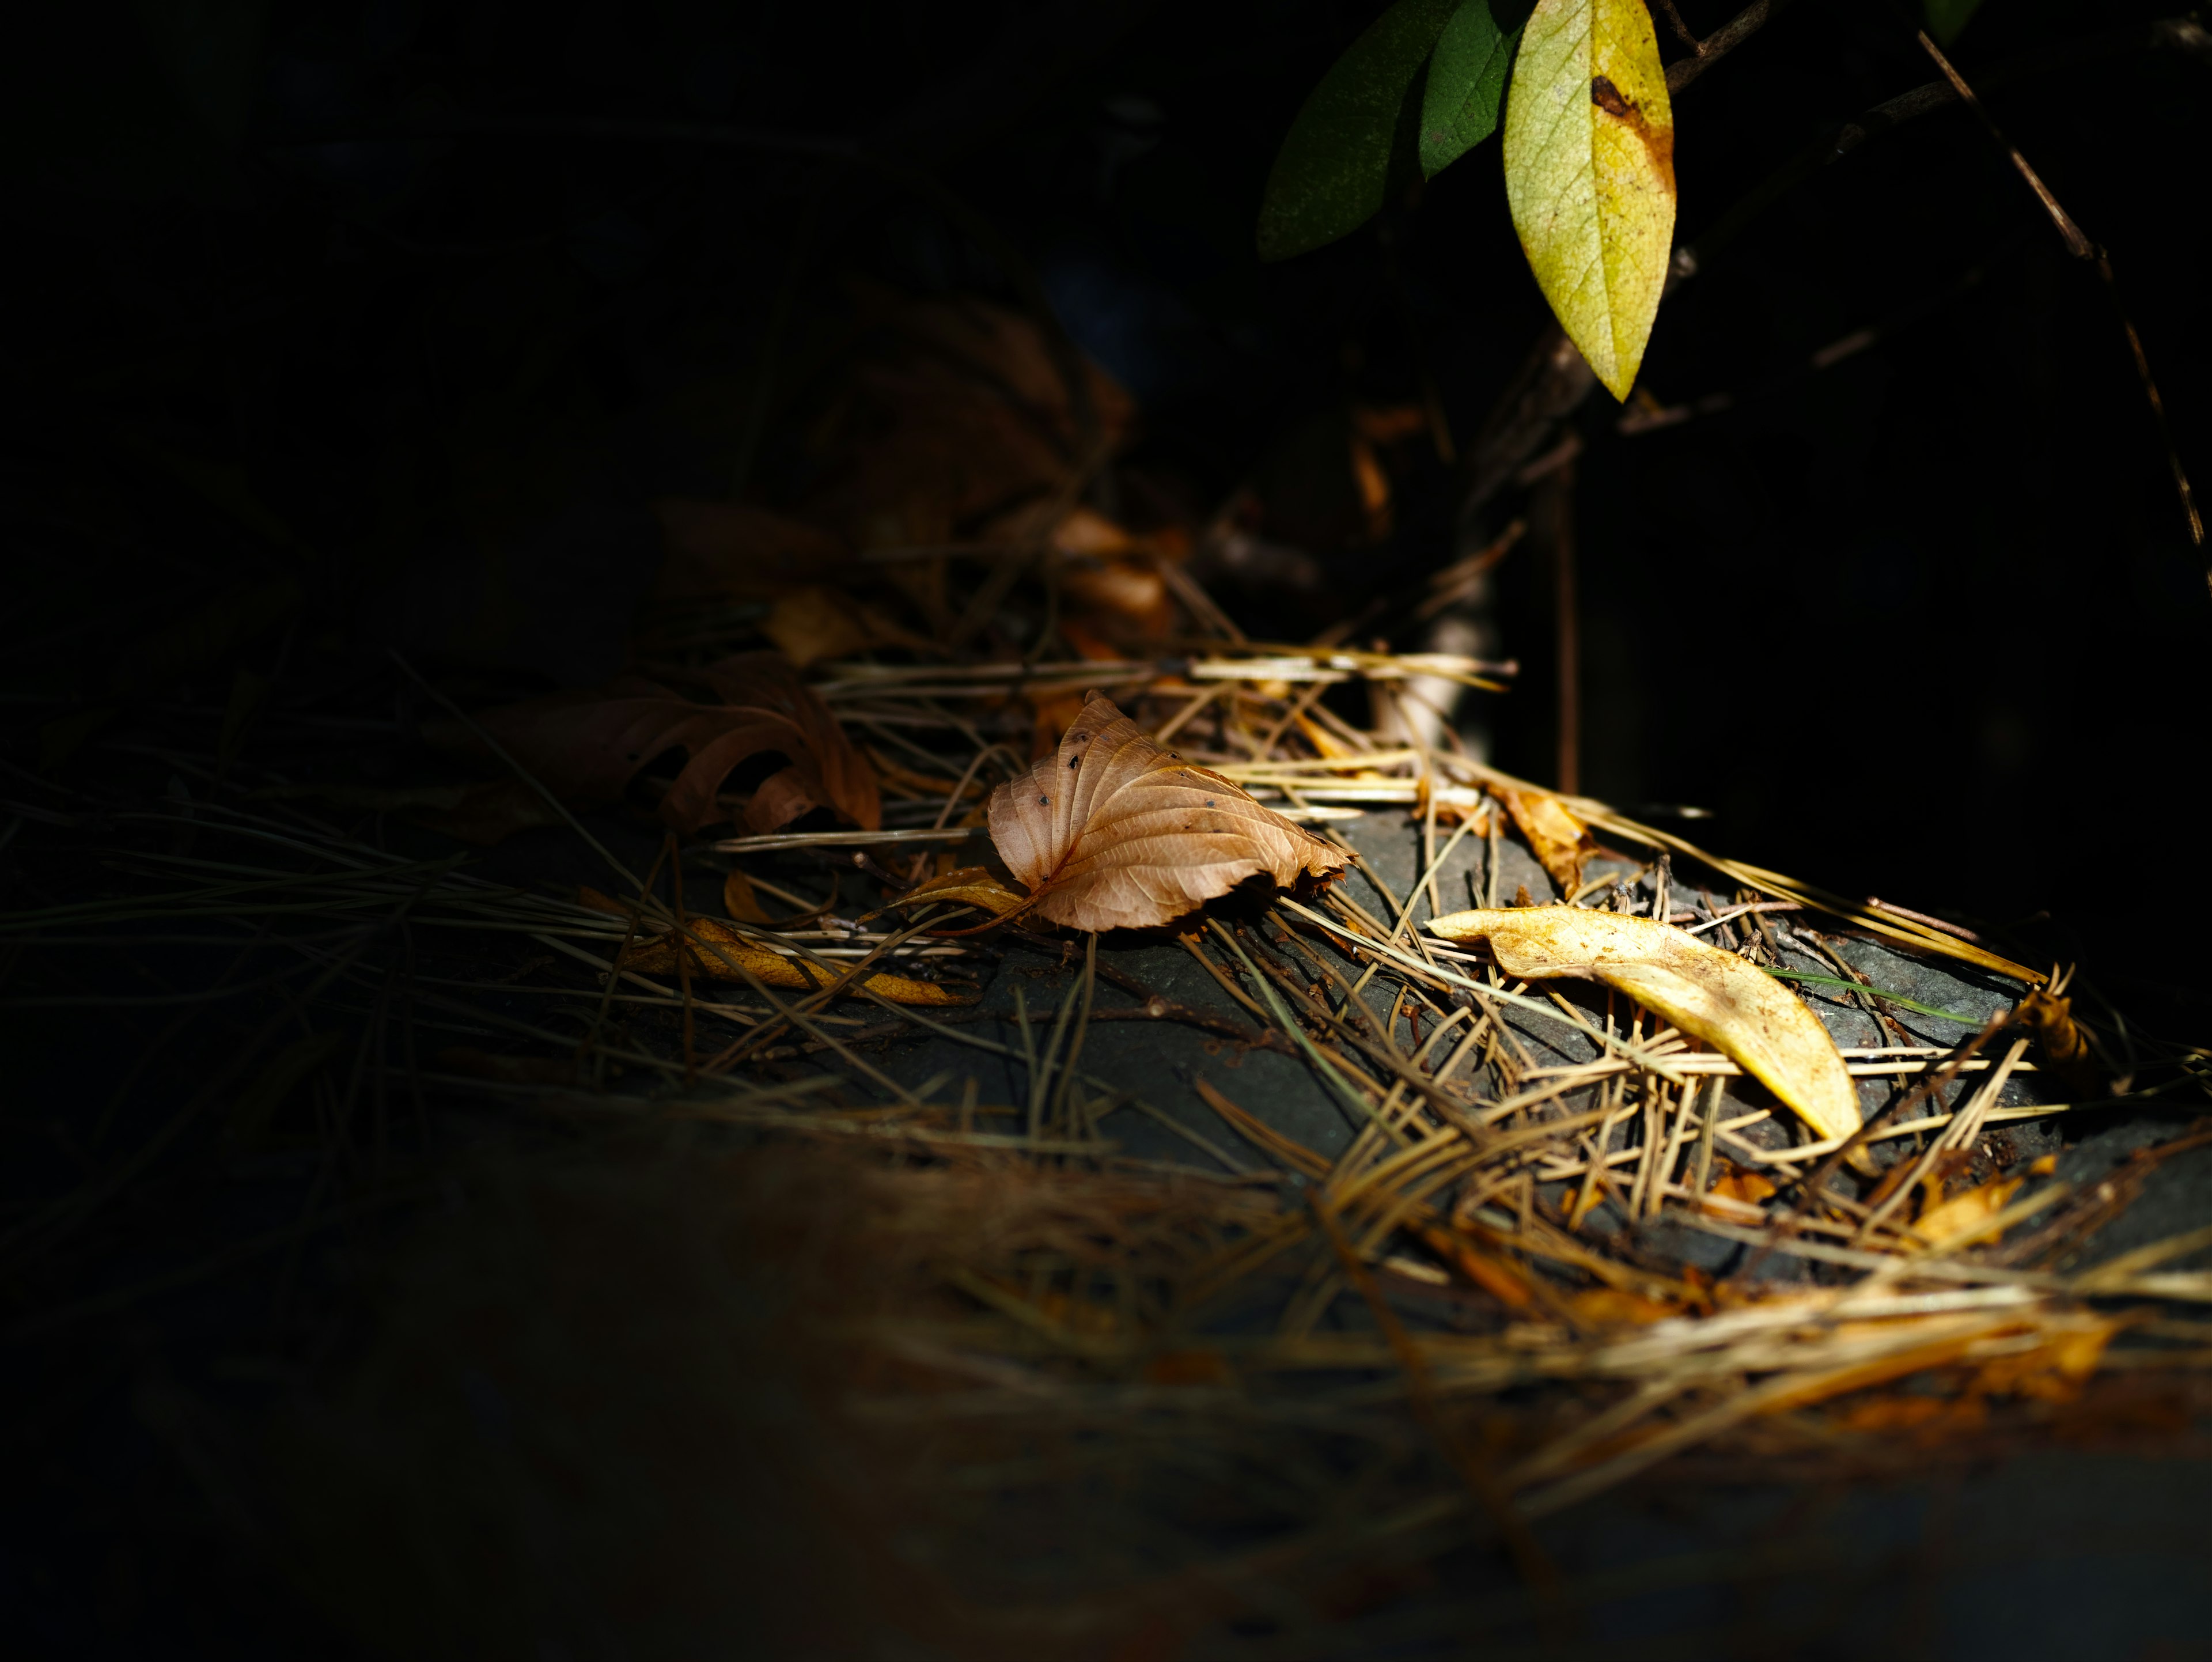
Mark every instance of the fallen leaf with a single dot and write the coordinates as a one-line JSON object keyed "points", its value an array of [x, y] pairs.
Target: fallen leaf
{"points": [[1963, 1213], [2056, 1370], [1126, 591], [1745, 1186], [727, 551], [1608, 1305], [961, 412], [2065, 1047], [970, 886], [721, 953], [1111, 831], [1709, 994], [1589, 175], [587, 746], [811, 623], [738, 900], [1555, 837], [1487, 1270]]}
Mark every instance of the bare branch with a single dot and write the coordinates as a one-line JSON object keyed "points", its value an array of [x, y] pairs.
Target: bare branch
{"points": [[1719, 44], [2079, 245]]}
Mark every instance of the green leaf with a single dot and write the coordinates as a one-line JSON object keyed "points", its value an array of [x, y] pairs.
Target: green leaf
{"points": [[1467, 84], [1589, 175], [1947, 17], [1330, 177]]}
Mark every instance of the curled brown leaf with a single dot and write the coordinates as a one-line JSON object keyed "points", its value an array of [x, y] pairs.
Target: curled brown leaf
{"points": [[585, 747], [1111, 831]]}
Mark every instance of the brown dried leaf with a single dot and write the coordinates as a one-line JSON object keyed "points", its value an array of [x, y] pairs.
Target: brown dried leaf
{"points": [[719, 953], [813, 623], [585, 747], [740, 901], [1112, 833], [1555, 837], [2065, 1047], [727, 551]]}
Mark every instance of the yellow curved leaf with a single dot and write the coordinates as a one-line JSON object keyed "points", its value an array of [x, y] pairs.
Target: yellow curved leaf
{"points": [[1735, 1006], [1589, 175], [970, 886], [718, 951]]}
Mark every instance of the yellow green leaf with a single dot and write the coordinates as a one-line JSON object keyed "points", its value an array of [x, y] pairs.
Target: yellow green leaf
{"points": [[1465, 86], [1589, 175]]}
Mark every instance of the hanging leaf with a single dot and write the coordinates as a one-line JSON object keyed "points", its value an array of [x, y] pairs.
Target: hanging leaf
{"points": [[587, 746], [1710, 995], [1589, 175], [1330, 176], [1113, 832], [1947, 17], [1465, 86]]}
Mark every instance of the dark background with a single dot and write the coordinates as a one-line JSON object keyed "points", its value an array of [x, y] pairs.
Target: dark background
{"points": [[1925, 623], [421, 307]]}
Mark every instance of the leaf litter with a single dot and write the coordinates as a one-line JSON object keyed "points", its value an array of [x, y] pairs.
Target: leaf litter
{"points": [[1481, 1307]]}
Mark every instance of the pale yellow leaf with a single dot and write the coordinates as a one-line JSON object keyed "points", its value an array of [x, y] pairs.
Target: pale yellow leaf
{"points": [[1735, 1006], [1961, 1212], [1112, 833], [1589, 175]]}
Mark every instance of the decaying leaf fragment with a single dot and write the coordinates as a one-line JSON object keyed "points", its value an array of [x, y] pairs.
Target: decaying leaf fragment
{"points": [[1112, 833], [1589, 175], [970, 886], [1970, 1211], [2065, 1047], [587, 746], [1556, 837], [720, 952], [1710, 995]]}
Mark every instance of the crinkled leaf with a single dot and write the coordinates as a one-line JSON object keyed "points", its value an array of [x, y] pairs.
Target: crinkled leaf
{"points": [[587, 746], [1329, 177], [1112, 833], [1555, 837], [1710, 995], [1465, 86], [1589, 175]]}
